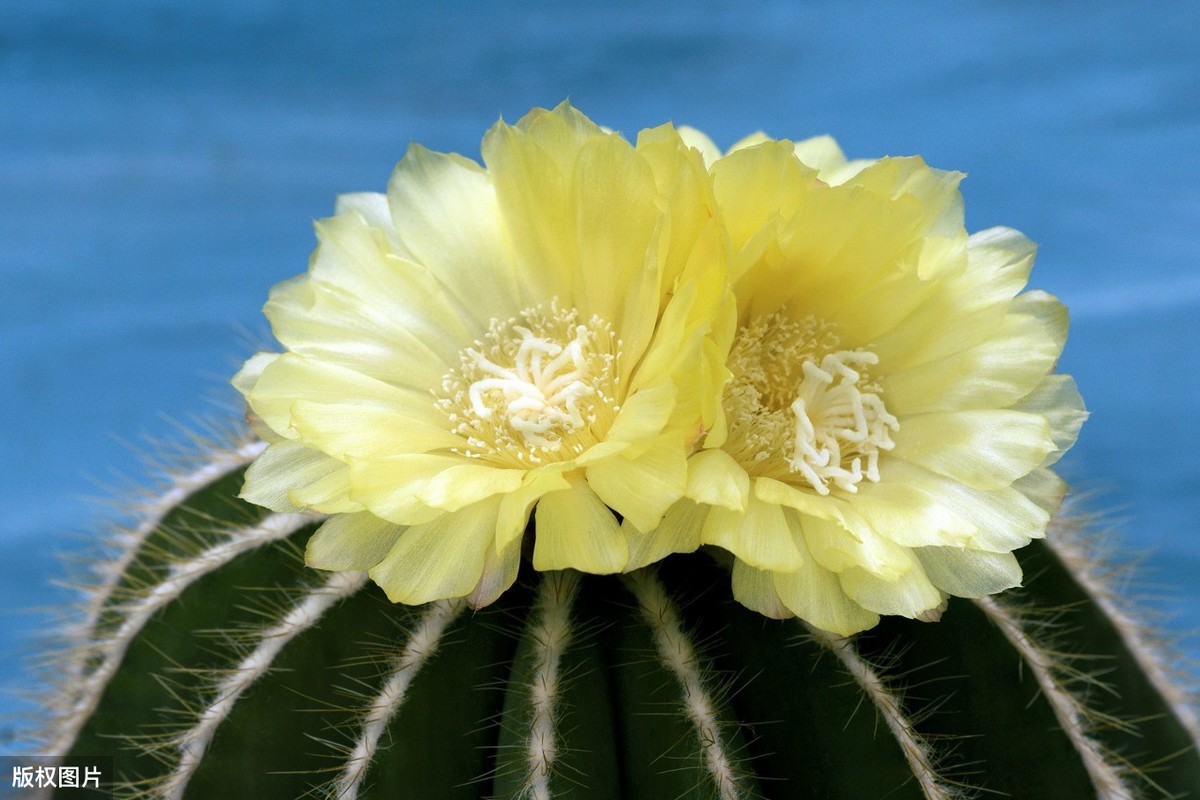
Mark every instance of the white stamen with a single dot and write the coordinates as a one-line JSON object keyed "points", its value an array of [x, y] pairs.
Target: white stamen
{"points": [[534, 390]]}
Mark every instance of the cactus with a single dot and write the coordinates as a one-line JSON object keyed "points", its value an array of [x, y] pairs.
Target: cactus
{"points": [[212, 663]]}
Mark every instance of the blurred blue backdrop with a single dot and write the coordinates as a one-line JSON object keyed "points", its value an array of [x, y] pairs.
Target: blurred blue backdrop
{"points": [[161, 163]]}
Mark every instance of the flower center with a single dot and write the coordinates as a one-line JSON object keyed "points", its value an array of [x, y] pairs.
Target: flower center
{"points": [[800, 407], [538, 387]]}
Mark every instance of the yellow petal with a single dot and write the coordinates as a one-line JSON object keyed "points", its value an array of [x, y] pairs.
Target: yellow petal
{"points": [[499, 573], [755, 589], [444, 209], [994, 374], [814, 593], [837, 547], [759, 535], [911, 595], [286, 466], [679, 532], [969, 573], [351, 542], [516, 505], [907, 515], [439, 559], [987, 449], [715, 478], [465, 484], [1057, 399], [641, 489], [575, 530]]}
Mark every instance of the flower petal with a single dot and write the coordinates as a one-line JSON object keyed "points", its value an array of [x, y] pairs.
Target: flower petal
{"points": [[986, 449], [285, 467], [641, 489], [351, 542], [441, 558], [755, 589], [678, 532], [575, 530], [715, 478], [963, 572], [499, 573], [910, 595], [760, 535]]}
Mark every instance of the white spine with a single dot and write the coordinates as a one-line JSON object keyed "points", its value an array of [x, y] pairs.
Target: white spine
{"points": [[137, 612], [195, 740], [677, 654], [1146, 651], [915, 750], [552, 634], [1068, 710], [421, 645]]}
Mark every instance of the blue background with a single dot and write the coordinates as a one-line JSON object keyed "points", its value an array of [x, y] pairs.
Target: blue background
{"points": [[161, 163]]}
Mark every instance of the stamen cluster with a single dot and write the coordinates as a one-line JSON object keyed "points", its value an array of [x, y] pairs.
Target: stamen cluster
{"points": [[538, 387], [800, 406]]}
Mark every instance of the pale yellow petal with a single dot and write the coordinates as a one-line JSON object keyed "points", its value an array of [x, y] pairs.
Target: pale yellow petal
{"points": [[575, 530], [911, 595], [291, 378], [644, 414], [814, 593], [969, 573], [351, 542], [390, 487], [1005, 518], [439, 559], [839, 547], [755, 589], [499, 573], [358, 428], [699, 141], [517, 504], [756, 185], [286, 466], [908, 515], [320, 322], [1057, 399], [715, 478], [759, 535], [808, 503], [678, 532], [986, 449], [465, 483], [641, 489], [994, 374], [445, 210]]}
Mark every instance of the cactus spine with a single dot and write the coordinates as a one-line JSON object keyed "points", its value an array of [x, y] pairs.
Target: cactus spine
{"points": [[211, 662]]}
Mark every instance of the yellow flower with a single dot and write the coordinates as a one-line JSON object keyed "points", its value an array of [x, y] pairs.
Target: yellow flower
{"points": [[548, 330], [892, 413]]}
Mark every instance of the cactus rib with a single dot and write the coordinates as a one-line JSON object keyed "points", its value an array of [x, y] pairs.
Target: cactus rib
{"points": [[194, 741], [1089, 572], [180, 575], [677, 654], [1106, 776], [421, 645], [552, 634], [916, 750]]}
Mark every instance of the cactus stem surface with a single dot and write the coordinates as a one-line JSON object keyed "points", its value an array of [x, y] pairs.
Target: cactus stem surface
{"points": [[916, 750], [421, 645], [1106, 776], [1094, 575], [302, 616], [110, 650], [677, 654], [552, 634]]}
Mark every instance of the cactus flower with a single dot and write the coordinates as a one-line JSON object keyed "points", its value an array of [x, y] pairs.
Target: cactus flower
{"points": [[892, 413], [546, 330]]}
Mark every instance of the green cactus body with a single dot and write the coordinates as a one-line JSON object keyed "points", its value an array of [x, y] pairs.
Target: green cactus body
{"points": [[212, 663]]}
